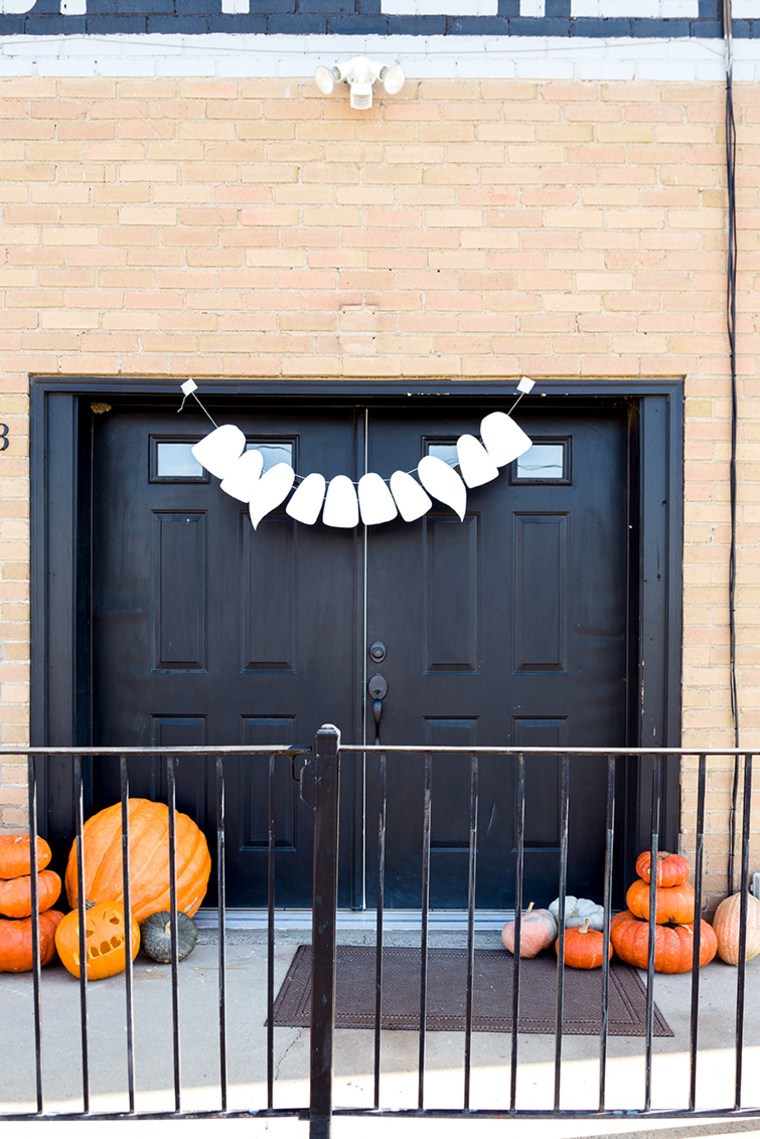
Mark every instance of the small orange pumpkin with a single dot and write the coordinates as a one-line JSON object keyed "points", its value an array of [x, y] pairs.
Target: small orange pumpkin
{"points": [[16, 893], [675, 904], [15, 855], [727, 926], [16, 942], [673, 944], [672, 869], [105, 940], [584, 947]]}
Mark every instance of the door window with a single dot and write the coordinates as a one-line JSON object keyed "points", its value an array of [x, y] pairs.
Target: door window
{"points": [[274, 451], [547, 461], [446, 451], [172, 460]]}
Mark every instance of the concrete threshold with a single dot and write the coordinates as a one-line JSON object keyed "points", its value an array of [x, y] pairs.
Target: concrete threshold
{"points": [[394, 921]]}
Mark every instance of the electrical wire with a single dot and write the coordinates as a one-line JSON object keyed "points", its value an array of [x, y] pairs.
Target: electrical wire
{"points": [[731, 263]]}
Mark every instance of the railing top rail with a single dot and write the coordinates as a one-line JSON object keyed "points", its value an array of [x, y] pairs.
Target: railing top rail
{"points": [[425, 749], [377, 749], [195, 749]]}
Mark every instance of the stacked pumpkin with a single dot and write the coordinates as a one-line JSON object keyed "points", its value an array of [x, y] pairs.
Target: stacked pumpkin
{"points": [[149, 883], [16, 946], [674, 918]]}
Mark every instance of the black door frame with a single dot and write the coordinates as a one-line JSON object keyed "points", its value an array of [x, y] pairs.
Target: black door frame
{"points": [[61, 472]]}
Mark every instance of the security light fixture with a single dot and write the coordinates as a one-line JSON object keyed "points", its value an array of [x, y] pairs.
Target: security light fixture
{"points": [[361, 75]]}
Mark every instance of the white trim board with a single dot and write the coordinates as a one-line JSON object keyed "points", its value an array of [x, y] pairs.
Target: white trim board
{"points": [[423, 57]]}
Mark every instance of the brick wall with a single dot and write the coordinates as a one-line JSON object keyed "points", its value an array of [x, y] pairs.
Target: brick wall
{"points": [[251, 227]]}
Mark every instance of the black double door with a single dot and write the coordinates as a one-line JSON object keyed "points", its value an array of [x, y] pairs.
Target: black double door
{"points": [[506, 628]]}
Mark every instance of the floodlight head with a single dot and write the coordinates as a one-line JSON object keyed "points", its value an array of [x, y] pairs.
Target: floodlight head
{"points": [[326, 78], [361, 75], [392, 78]]}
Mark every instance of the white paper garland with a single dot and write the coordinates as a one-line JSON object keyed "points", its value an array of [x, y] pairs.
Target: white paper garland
{"points": [[341, 502]]}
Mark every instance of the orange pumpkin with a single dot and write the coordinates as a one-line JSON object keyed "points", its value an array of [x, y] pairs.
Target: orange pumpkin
{"points": [[16, 893], [672, 869], [105, 940], [584, 947], [673, 944], [16, 942], [727, 926], [148, 859], [674, 903], [15, 855]]}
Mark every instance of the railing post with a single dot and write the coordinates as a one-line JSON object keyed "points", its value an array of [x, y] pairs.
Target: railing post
{"points": [[325, 785]]}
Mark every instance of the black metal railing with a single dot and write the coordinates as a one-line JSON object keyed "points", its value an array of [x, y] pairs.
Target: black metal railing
{"points": [[36, 758], [320, 783]]}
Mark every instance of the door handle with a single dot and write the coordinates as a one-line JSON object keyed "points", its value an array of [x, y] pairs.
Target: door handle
{"points": [[378, 690]]}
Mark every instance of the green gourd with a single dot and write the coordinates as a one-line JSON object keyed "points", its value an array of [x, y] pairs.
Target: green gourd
{"points": [[156, 934]]}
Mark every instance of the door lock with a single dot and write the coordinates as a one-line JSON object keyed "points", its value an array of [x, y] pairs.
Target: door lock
{"points": [[377, 652], [378, 687], [378, 690]]}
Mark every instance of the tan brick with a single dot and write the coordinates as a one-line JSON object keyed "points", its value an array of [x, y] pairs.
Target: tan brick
{"points": [[148, 215]]}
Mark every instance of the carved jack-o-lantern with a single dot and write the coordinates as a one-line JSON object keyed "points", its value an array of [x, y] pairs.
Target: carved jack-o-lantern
{"points": [[105, 940]]}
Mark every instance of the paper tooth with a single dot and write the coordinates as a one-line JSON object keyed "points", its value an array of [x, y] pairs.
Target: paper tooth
{"points": [[240, 480], [341, 507], [218, 450], [412, 501], [375, 500], [475, 464], [503, 439], [442, 481], [271, 489], [307, 500]]}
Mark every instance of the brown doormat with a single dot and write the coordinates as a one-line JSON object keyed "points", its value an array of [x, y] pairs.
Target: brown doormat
{"points": [[447, 985]]}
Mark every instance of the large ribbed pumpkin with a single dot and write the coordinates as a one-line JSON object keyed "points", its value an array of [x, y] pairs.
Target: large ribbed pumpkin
{"points": [[148, 860], [727, 926], [673, 944]]}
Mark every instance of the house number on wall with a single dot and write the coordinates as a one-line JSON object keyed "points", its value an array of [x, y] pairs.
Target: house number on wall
{"points": [[4, 437]]}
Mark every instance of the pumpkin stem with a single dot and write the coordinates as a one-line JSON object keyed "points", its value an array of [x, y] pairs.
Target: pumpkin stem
{"points": [[530, 907], [584, 927]]}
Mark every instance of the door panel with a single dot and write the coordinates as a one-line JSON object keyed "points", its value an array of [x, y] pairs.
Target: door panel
{"points": [[508, 627], [540, 615]]}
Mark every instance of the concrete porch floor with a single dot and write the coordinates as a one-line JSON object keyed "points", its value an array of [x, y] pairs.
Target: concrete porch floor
{"points": [[246, 1048]]}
